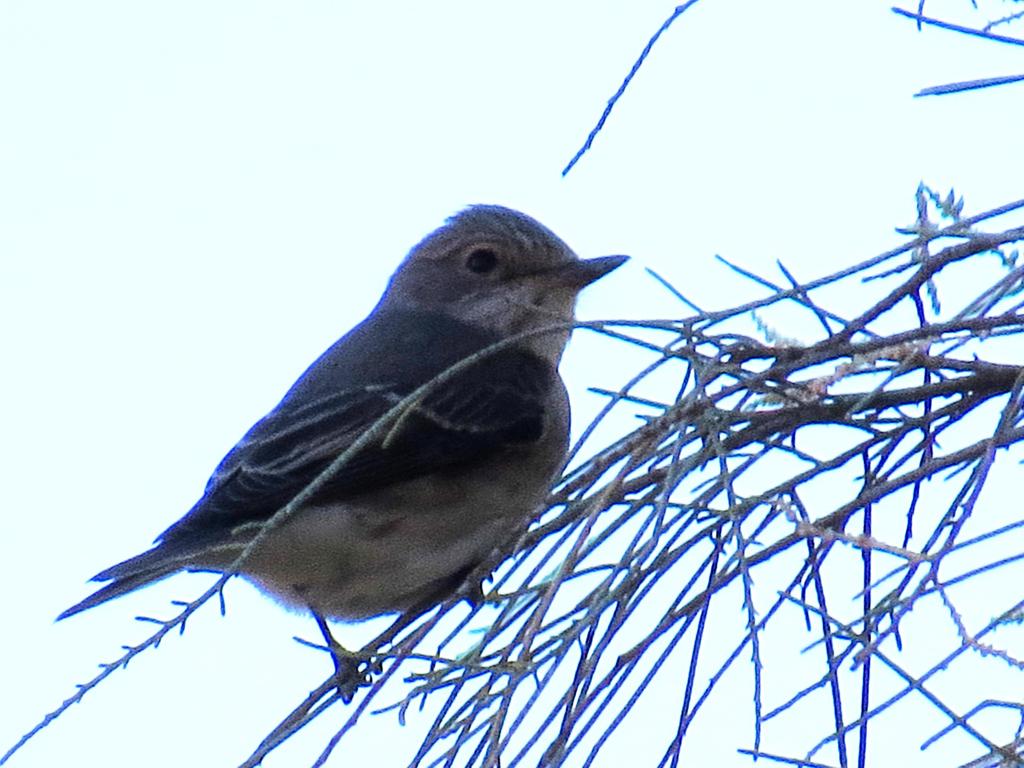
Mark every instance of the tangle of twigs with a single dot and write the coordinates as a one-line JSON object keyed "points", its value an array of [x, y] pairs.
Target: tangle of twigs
{"points": [[827, 488]]}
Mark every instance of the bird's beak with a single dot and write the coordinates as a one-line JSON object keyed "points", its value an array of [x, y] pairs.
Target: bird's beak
{"points": [[579, 274]]}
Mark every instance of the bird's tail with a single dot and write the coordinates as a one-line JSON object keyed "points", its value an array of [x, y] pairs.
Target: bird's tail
{"points": [[159, 562]]}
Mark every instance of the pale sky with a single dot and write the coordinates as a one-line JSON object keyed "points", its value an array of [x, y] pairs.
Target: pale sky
{"points": [[197, 198]]}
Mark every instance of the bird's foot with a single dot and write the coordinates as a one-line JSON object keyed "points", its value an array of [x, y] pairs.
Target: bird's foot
{"points": [[352, 669]]}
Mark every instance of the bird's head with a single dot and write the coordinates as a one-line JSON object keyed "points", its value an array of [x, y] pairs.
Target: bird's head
{"points": [[498, 269]]}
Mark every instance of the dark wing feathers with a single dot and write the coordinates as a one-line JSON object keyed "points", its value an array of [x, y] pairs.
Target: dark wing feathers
{"points": [[492, 404]]}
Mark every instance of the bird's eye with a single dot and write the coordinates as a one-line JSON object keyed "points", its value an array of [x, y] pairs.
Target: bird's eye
{"points": [[481, 260]]}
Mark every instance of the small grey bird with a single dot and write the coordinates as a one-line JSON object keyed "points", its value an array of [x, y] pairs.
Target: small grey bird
{"points": [[404, 521]]}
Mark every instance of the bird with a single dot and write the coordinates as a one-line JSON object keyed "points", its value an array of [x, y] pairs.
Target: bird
{"points": [[403, 522]]}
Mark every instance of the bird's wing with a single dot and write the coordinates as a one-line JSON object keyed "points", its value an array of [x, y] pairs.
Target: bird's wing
{"points": [[492, 405]]}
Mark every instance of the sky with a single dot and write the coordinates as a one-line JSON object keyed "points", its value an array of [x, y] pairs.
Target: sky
{"points": [[197, 198]]}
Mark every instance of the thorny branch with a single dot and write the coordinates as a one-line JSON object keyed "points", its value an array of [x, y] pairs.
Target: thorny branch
{"points": [[984, 32]]}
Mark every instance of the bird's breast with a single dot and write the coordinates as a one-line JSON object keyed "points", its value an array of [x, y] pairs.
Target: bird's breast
{"points": [[399, 547]]}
